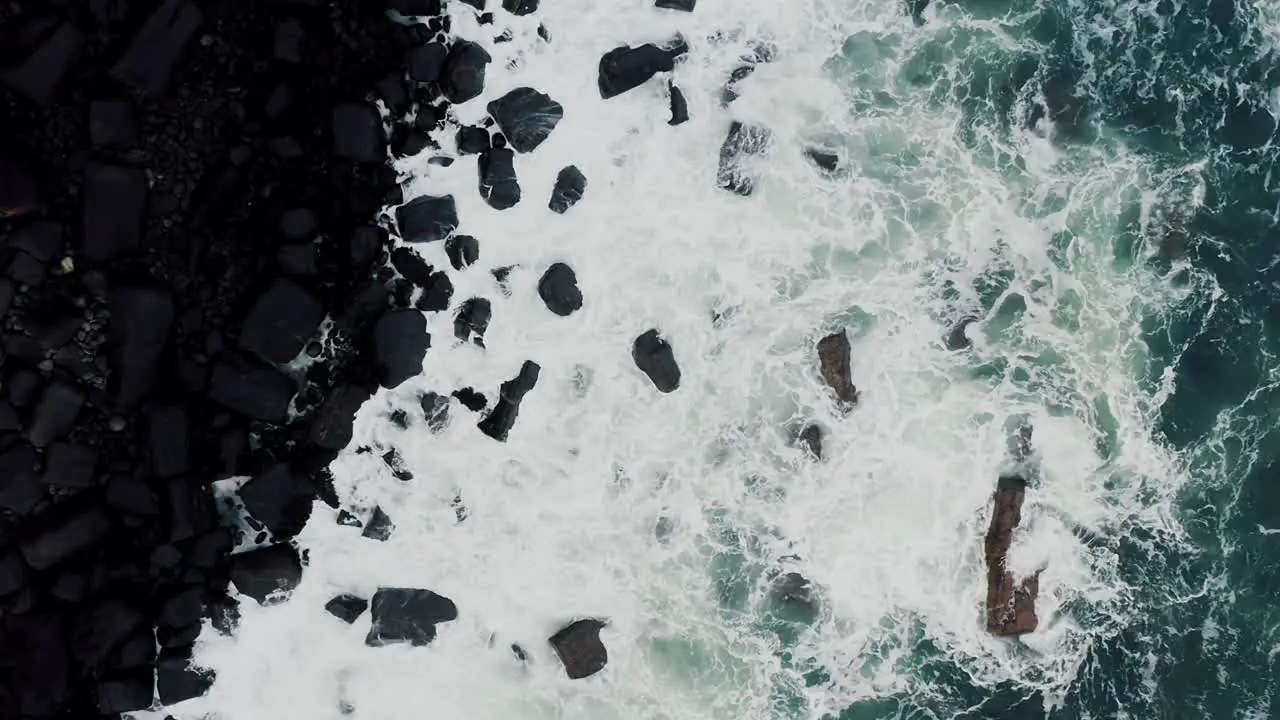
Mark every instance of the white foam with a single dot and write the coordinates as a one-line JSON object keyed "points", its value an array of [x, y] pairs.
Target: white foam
{"points": [[889, 525]]}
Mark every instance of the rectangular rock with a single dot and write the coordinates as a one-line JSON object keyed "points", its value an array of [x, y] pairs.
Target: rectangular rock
{"points": [[427, 218], [140, 320], [281, 322], [70, 465], [148, 63], [257, 391], [113, 124], [38, 77], [68, 533], [1010, 604], [168, 441], [114, 199]]}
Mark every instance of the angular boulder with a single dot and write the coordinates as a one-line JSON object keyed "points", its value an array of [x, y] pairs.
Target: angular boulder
{"points": [[427, 219], [463, 251], [251, 388], [580, 649], [654, 357], [407, 615], [347, 607], [427, 61], [684, 5], [1011, 604], [679, 105], [464, 71], [626, 68], [834, 364], [526, 117]]}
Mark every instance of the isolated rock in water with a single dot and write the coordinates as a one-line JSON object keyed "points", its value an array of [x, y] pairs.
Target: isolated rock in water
{"points": [[626, 68], [526, 117], [400, 341], [828, 161], [685, 5], [261, 572], [655, 359], [347, 607], [435, 409], [427, 218], [379, 526], [742, 143], [679, 106], [811, 440], [464, 71], [570, 184], [407, 615], [472, 320], [794, 588], [498, 184], [499, 422], [580, 648], [280, 498], [558, 288], [958, 338], [834, 362], [1011, 608], [463, 251], [520, 7]]}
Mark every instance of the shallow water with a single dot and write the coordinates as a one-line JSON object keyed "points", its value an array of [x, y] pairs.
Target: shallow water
{"points": [[1091, 180]]}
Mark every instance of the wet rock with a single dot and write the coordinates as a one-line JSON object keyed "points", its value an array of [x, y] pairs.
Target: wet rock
{"points": [[827, 161], [153, 53], [379, 526], [114, 198], [281, 321], [526, 117], [407, 142], [263, 571], [410, 8], [473, 319], [463, 251], [56, 413], [472, 140], [39, 77], [470, 399], [759, 54], [570, 184], [366, 306], [654, 357], [426, 62], [958, 338], [1010, 603], [254, 390], [364, 243], [407, 615], [358, 133], [140, 320], [332, 426], [580, 649], [743, 142], [811, 440], [685, 5], [347, 607], [64, 532], [400, 342], [41, 239], [679, 106], [520, 7], [190, 508], [281, 499], [70, 465], [178, 680], [427, 218], [435, 409], [498, 184], [558, 288], [464, 71], [626, 68], [113, 124], [499, 422], [834, 364], [410, 264], [436, 293], [794, 588]]}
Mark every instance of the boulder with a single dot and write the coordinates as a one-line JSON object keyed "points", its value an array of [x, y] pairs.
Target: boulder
{"points": [[498, 184], [679, 106], [281, 321], [39, 77], [264, 571], [357, 133], [407, 615], [743, 142], [463, 251], [654, 357], [177, 679], [400, 342], [834, 364], [250, 388], [56, 413], [558, 288], [526, 117], [568, 189], [281, 499], [332, 427], [379, 526], [472, 320], [347, 607], [626, 68], [464, 71], [1011, 608], [824, 159], [141, 316], [579, 647], [149, 61], [958, 338], [426, 62], [114, 199], [498, 423], [427, 218], [471, 140], [435, 409], [811, 440], [520, 7]]}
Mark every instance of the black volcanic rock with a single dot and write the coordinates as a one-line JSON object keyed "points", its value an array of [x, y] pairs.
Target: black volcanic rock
{"points": [[472, 140], [400, 342], [427, 218], [654, 357], [407, 615], [472, 319], [332, 426], [679, 106], [464, 71], [282, 320], [357, 133], [114, 199], [463, 251], [141, 318], [498, 423], [280, 498], [626, 68], [580, 649], [379, 526], [558, 288], [252, 389], [827, 161], [526, 117], [520, 7], [411, 8], [568, 189], [261, 572], [426, 62], [498, 184], [347, 607]]}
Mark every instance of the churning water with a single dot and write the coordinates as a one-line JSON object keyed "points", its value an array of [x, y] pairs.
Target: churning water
{"points": [[1090, 180]]}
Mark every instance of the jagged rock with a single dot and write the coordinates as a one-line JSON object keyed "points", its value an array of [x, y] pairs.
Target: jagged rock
{"points": [[570, 184], [503, 417], [140, 320], [282, 320], [654, 357], [498, 184], [132, 495], [400, 342], [1011, 608], [114, 198], [526, 117], [427, 218], [35, 650], [580, 649], [281, 499], [358, 133], [366, 306], [742, 143], [379, 526], [625, 68], [520, 7], [394, 91], [760, 54], [347, 607], [254, 390], [685, 5], [464, 71], [154, 51], [958, 338], [834, 364], [407, 615], [558, 288], [263, 571], [113, 124], [463, 251], [190, 508], [811, 440], [473, 318], [39, 76], [679, 106], [364, 243], [332, 426], [825, 160]]}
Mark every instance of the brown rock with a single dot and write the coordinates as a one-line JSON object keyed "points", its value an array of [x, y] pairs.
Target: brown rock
{"points": [[833, 359], [1011, 608], [811, 440]]}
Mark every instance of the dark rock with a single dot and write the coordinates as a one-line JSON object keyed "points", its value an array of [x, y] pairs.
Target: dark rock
{"points": [[520, 7], [20, 489], [825, 160], [358, 133], [298, 259], [526, 117], [742, 143], [183, 608], [281, 499], [400, 342], [332, 426], [435, 408], [625, 68], [113, 124], [580, 649], [811, 439], [70, 465], [177, 680], [426, 62], [64, 532], [498, 184], [558, 288], [13, 572], [1010, 607], [364, 244], [18, 193], [833, 360], [410, 264], [958, 338], [407, 615], [132, 495], [366, 306], [470, 399], [41, 239], [140, 320], [760, 54], [281, 322], [410, 8], [499, 422], [190, 509], [347, 607], [473, 317], [379, 526], [395, 93], [464, 71], [34, 650], [26, 270], [114, 198], [260, 572], [463, 251], [257, 391], [407, 142], [210, 549], [679, 106], [168, 440], [471, 140], [435, 296], [56, 413], [427, 218], [685, 5], [393, 461], [299, 223], [289, 41], [654, 357], [39, 76], [570, 184], [155, 49]]}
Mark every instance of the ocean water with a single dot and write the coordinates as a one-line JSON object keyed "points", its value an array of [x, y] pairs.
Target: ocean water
{"points": [[1091, 180]]}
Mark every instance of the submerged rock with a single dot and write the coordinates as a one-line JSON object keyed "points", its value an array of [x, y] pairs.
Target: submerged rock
{"points": [[834, 363], [655, 359], [626, 68], [526, 117], [685, 5], [427, 218], [1011, 608], [742, 143], [825, 160], [580, 648], [958, 338]]}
